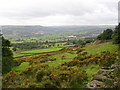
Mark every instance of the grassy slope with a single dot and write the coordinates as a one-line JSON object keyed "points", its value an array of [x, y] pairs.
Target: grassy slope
{"points": [[93, 68], [96, 49], [59, 60], [90, 69], [21, 67]]}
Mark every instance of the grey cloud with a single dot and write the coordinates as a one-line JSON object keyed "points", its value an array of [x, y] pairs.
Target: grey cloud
{"points": [[82, 10]]}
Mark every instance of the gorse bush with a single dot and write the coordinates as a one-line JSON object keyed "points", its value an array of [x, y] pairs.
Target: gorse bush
{"points": [[42, 76], [68, 75], [104, 59], [107, 58], [81, 56]]}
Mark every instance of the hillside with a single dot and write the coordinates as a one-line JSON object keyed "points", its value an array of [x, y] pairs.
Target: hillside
{"points": [[57, 69], [98, 48]]}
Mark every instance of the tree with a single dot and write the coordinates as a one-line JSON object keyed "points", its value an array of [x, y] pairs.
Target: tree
{"points": [[7, 56], [14, 49], [106, 35], [116, 35], [81, 42]]}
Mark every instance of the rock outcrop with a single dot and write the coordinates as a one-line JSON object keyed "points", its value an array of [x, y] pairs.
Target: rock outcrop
{"points": [[103, 75]]}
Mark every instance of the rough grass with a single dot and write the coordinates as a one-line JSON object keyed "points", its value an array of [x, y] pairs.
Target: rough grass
{"points": [[67, 57], [90, 70], [93, 68], [108, 46], [21, 67]]}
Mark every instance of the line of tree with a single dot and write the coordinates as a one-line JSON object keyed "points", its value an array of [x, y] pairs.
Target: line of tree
{"points": [[80, 42], [35, 45]]}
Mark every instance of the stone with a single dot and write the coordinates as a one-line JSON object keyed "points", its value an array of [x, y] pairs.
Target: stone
{"points": [[104, 71], [106, 68], [95, 84], [99, 77], [113, 66]]}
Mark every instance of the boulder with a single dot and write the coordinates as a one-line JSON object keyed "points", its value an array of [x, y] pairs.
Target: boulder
{"points": [[113, 66], [106, 68], [94, 85], [99, 77], [104, 72]]}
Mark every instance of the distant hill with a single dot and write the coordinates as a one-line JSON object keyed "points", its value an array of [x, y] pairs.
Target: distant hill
{"points": [[14, 29]]}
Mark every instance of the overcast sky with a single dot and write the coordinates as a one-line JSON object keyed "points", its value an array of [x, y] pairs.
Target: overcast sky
{"points": [[58, 12]]}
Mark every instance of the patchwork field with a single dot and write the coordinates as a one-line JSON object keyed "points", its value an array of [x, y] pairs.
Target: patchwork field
{"points": [[36, 51], [42, 50]]}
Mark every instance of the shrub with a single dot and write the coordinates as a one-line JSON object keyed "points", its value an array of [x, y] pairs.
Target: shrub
{"points": [[9, 78], [48, 84], [68, 76], [104, 59], [39, 75]]}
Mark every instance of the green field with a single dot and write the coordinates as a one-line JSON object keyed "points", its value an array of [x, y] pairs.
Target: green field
{"points": [[17, 54], [96, 49], [30, 52], [41, 50]]}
